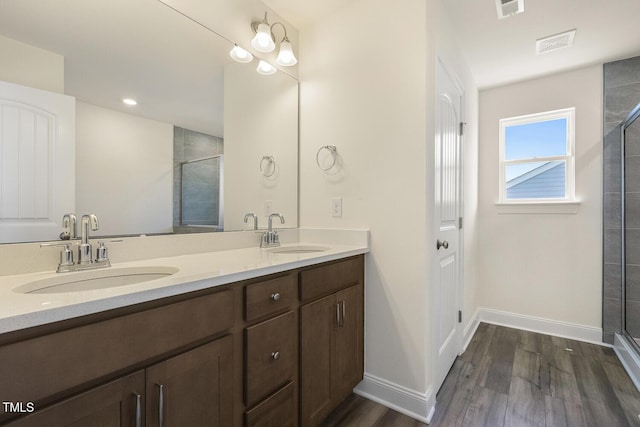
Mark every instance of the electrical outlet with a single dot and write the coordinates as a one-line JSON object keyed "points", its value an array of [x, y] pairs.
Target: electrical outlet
{"points": [[268, 207], [336, 207]]}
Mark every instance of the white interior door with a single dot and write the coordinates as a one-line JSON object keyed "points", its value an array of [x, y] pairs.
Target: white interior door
{"points": [[447, 222], [37, 162]]}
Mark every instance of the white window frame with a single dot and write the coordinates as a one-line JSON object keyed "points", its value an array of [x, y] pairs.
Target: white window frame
{"points": [[569, 157]]}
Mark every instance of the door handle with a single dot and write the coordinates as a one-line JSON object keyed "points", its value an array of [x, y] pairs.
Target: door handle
{"points": [[442, 244], [138, 409], [161, 406]]}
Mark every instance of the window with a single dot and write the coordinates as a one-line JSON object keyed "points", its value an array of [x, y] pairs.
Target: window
{"points": [[537, 157]]}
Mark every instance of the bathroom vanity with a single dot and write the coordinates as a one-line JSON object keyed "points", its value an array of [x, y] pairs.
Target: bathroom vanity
{"points": [[275, 349]]}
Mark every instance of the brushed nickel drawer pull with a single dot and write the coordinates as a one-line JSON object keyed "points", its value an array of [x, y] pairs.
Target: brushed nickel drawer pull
{"points": [[338, 314], [138, 410], [344, 314], [275, 355], [161, 406], [275, 297]]}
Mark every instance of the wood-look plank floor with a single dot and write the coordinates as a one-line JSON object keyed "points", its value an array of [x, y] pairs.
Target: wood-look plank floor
{"points": [[512, 378]]}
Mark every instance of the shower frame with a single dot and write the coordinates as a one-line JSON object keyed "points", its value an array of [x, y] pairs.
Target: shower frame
{"points": [[631, 118]]}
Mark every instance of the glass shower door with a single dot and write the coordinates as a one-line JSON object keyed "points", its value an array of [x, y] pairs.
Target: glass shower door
{"points": [[631, 224]]}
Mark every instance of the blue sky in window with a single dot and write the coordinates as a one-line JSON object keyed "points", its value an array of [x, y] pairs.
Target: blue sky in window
{"points": [[539, 139]]}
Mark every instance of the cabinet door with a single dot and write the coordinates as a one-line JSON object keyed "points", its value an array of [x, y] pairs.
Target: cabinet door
{"points": [[115, 404], [317, 323], [349, 338], [193, 388]]}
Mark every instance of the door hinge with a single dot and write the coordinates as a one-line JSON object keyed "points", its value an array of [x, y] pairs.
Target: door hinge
{"points": [[459, 316], [460, 223], [462, 128]]}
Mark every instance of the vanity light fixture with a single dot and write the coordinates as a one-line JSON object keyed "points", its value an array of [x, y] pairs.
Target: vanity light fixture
{"points": [[286, 57], [240, 55], [130, 101], [265, 68], [264, 41]]}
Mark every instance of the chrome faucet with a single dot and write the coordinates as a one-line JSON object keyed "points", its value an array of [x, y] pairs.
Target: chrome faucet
{"points": [[271, 238], [255, 220], [70, 231], [85, 260], [84, 249]]}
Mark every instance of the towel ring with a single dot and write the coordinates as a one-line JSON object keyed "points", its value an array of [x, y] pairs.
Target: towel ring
{"points": [[264, 170], [332, 149]]}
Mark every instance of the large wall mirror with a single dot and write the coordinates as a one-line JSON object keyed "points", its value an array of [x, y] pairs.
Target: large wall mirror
{"points": [[209, 140]]}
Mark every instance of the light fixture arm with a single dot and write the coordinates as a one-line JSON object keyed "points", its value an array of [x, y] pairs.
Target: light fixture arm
{"points": [[283, 27]]}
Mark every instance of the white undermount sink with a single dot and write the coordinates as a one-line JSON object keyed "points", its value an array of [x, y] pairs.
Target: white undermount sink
{"points": [[298, 249], [95, 279]]}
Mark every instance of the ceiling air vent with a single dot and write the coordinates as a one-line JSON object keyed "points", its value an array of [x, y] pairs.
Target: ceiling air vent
{"points": [[507, 8], [555, 42]]}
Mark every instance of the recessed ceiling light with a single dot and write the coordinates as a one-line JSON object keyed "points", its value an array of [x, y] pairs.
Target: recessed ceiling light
{"points": [[129, 101]]}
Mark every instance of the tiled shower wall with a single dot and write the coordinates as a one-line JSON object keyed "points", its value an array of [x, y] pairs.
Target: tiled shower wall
{"points": [[621, 94], [189, 145]]}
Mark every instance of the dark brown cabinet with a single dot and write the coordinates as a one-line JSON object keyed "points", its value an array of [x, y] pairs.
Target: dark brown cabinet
{"points": [[191, 389], [271, 352], [278, 351], [119, 403], [331, 344]]}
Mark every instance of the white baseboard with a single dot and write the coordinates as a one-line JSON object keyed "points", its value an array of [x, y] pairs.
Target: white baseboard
{"points": [[411, 403], [470, 330], [557, 328]]}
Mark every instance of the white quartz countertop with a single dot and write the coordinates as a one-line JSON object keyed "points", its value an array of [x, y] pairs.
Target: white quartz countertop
{"points": [[196, 272]]}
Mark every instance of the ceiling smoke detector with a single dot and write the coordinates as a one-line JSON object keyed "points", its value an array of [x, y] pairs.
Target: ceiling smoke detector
{"points": [[507, 8], [555, 42]]}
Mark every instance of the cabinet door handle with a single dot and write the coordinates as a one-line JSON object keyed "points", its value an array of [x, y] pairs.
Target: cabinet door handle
{"points": [[275, 355], [275, 297], [161, 406], [138, 410], [338, 314], [344, 313]]}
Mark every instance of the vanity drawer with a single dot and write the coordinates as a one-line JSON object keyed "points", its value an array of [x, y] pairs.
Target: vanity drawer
{"points": [[272, 296], [276, 411], [325, 280], [270, 356], [41, 368]]}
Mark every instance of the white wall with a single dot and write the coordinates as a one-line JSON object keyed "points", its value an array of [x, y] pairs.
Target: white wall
{"points": [[260, 119], [31, 66], [113, 147], [375, 102], [544, 265], [368, 99]]}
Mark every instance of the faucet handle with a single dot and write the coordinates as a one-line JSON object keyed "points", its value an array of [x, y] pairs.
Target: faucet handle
{"points": [[66, 254], [102, 253]]}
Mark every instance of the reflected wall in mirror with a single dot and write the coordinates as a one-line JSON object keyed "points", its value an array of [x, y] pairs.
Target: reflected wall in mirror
{"points": [[124, 169]]}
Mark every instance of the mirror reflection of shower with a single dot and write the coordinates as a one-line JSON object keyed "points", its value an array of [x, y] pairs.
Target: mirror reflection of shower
{"points": [[631, 226], [198, 182], [202, 192]]}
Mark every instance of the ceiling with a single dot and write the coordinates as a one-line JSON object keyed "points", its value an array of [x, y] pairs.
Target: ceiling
{"points": [[502, 51]]}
